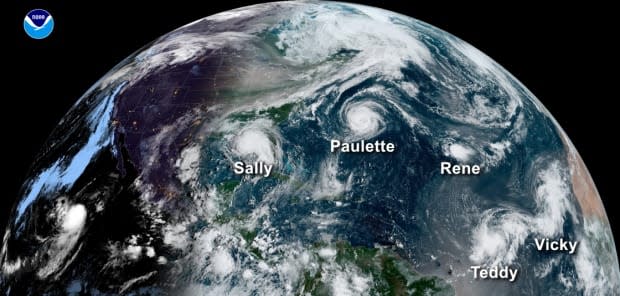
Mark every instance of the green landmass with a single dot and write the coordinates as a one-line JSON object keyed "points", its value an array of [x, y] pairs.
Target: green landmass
{"points": [[277, 114], [391, 275]]}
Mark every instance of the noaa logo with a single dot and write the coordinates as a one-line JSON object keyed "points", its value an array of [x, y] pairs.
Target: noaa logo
{"points": [[38, 23]]}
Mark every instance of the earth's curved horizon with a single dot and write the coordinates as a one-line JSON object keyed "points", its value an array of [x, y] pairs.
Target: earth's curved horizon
{"points": [[215, 161]]}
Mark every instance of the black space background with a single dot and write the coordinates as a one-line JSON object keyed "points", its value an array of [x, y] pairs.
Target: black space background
{"points": [[562, 53]]}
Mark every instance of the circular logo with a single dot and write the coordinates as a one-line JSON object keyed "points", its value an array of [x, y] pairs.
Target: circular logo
{"points": [[38, 23]]}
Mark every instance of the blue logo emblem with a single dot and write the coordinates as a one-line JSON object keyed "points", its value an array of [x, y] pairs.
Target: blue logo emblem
{"points": [[38, 23]]}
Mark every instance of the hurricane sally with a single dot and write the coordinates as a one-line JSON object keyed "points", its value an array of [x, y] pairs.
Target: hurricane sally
{"points": [[205, 164]]}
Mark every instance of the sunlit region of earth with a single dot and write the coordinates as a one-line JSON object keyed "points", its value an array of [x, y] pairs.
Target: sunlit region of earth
{"points": [[205, 164]]}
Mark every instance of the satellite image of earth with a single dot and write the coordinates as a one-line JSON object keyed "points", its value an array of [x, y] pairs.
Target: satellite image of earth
{"points": [[247, 153]]}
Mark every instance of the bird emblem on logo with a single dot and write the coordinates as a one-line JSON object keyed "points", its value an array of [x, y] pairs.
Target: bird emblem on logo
{"points": [[38, 24]]}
